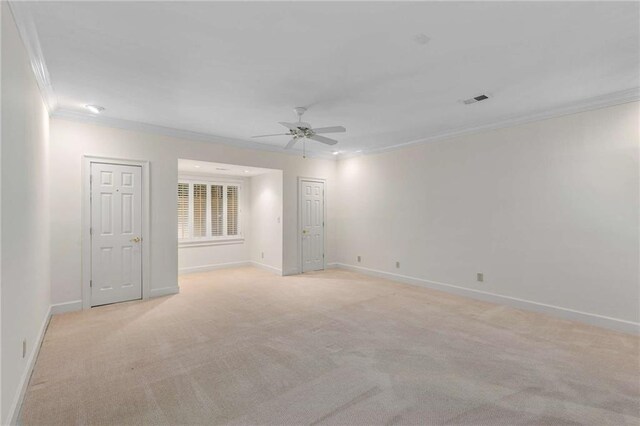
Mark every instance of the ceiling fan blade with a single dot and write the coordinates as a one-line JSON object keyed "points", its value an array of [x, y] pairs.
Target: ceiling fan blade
{"points": [[292, 126], [323, 140], [332, 129], [290, 144], [266, 136]]}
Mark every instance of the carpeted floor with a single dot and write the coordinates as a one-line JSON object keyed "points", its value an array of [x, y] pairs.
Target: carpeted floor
{"points": [[243, 346]]}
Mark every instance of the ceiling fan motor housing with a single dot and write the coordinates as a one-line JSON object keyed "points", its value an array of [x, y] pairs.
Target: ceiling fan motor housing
{"points": [[302, 126], [302, 130]]}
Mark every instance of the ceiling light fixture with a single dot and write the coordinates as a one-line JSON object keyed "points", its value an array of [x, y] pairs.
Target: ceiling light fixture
{"points": [[246, 171], [197, 167], [94, 108], [336, 152]]}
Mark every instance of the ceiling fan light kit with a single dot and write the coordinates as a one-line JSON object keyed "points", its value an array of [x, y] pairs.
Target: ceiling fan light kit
{"points": [[304, 131]]}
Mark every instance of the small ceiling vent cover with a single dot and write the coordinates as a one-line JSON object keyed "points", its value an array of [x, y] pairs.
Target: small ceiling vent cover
{"points": [[475, 99]]}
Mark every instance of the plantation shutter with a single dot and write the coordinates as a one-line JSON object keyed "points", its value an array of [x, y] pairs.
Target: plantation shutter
{"points": [[217, 210], [208, 211], [232, 210], [183, 210], [199, 210]]}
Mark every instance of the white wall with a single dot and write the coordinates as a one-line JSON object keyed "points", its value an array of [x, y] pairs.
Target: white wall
{"points": [[266, 220], [213, 255], [2, 11], [70, 140], [202, 258], [25, 216], [548, 211]]}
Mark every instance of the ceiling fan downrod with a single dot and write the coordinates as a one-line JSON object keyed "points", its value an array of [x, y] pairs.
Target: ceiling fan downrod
{"points": [[300, 111]]}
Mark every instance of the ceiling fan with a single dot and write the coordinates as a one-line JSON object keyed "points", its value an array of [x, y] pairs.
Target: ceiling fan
{"points": [[304, 131]]}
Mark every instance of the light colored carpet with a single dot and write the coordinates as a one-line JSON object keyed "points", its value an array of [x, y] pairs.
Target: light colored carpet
{"points": [[243, 346]]}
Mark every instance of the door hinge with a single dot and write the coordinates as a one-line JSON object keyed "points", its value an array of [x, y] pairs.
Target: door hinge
{"points": [[91, 231], [90, 283]]}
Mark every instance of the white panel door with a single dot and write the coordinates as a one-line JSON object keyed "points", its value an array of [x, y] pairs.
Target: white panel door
{"points": [[312, 207], [116, 226]]}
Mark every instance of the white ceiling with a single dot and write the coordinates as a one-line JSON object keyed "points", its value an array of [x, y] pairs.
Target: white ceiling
{"points": [[195, 167], [235, 69]]}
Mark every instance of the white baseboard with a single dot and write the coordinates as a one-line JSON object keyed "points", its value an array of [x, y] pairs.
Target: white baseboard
{"points": [[266, 267], [164, 291], [205, 268], [14, 411], [61, 308], [564, 313], [296, 271]]}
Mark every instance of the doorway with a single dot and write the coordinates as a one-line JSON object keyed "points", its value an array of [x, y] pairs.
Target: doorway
{"points": [[228, 216], [312, 223], [115, 246]]}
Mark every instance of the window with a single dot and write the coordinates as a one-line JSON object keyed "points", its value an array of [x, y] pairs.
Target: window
{"points": [[216, 210], [208, 211], [183, 210], [199, 210], [232, 210]]}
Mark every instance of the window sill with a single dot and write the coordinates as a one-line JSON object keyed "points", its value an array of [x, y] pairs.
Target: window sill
{"points": [[205, 243]]}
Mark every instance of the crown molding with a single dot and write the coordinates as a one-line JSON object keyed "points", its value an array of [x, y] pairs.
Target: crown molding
{"points": [[29, 35], [597, 102], [589, 104], [119, 123]]}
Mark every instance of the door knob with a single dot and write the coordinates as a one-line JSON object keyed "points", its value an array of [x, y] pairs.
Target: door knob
{"points": [[136, 240]]}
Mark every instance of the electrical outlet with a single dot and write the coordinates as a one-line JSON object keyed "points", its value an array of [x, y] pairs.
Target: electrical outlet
{"points": [[398, 265], [24, 348], [263, 255], [480, 277], [359, 259]]}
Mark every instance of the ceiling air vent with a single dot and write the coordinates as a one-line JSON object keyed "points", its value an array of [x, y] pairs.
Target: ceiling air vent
{"points": [[475, 99]]}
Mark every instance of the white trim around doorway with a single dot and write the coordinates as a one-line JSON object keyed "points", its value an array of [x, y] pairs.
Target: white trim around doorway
{"points": [[324, 228], [86, 223]]}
